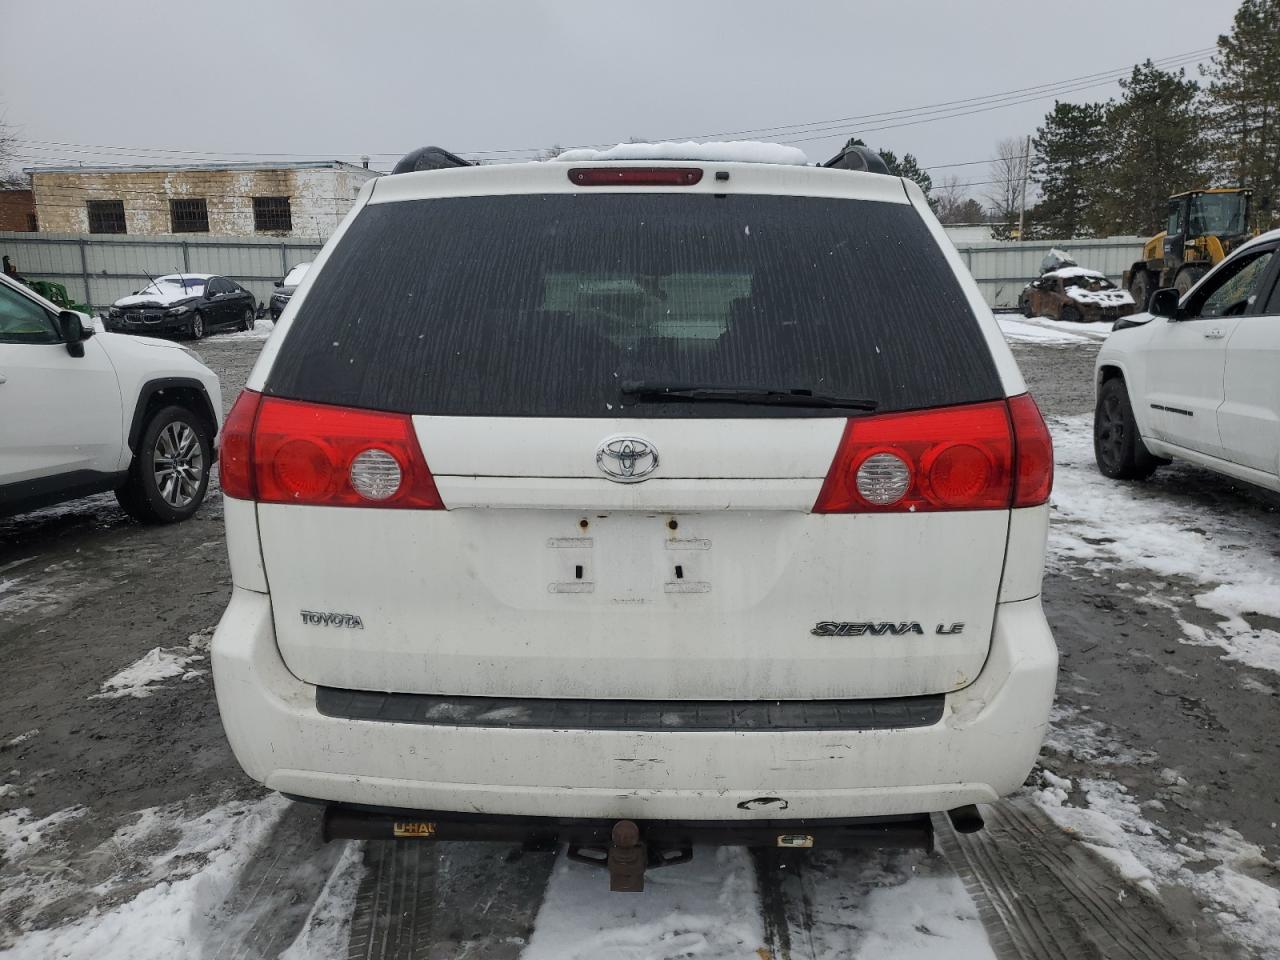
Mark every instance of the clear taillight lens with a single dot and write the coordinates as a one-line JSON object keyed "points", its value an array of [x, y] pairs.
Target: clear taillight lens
{"points": [[375, 475], [883, 478]]}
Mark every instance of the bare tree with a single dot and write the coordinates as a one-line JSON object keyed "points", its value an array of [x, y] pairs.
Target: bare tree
{"points": [[1008, 170], [8, 151]]}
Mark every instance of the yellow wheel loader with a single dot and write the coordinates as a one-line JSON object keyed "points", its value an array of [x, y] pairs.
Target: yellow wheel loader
{"points": [[1204, 226]]}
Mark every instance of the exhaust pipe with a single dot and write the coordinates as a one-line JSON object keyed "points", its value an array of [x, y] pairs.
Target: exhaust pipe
{"points": [[966, 819]]}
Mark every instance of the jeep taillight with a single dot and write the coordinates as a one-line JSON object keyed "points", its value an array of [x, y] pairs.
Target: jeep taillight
{"points": [[290, 451], [981, 456]]}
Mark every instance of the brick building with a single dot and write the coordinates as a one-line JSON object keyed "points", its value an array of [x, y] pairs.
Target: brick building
{"points": [[232, 199], [17, 209]]}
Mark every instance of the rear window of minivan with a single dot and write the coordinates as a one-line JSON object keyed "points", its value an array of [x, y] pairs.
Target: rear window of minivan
{"points": [[544, 305]]}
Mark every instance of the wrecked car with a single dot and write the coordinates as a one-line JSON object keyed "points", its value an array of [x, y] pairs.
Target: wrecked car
{"points": [[1075, 294]]}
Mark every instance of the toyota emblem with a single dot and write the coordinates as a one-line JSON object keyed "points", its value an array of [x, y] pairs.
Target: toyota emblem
{"points": [[626, 459]]}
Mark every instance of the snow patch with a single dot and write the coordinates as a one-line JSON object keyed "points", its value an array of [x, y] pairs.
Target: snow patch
{"points": [[327, 930], [262, 330], [157, 665], [1115, 526], [168, 919], [21, 834], [708, 909], [1113, 826]]}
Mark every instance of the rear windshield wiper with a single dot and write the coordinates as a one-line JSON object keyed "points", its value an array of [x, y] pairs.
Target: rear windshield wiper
{"points": [[684, 393]]}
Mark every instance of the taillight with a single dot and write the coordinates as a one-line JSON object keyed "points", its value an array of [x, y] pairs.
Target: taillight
{"points": [[289, 451], [1033, 448], [235, 464], [635, 176], [954, 458]]}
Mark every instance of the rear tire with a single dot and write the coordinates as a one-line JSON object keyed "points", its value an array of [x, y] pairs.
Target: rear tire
{"points": [[1025, 304], [1186, 279], [247, 320], [169, 475], [1117, 445], [1140, 288]]}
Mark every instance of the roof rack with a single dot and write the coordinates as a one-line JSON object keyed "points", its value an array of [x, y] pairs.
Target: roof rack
{"points": [[858, 158], [429, 158]]}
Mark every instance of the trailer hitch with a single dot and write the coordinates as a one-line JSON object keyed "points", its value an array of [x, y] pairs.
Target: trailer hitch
{"points": [[628, 856]]}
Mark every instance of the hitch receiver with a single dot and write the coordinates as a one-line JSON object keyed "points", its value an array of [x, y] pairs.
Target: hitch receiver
{"points": [[627, 858]]}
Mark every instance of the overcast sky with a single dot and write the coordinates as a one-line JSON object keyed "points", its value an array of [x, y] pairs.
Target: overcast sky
{"points": [[240, 79]]}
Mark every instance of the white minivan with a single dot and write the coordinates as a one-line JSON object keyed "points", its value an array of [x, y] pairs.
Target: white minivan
{"points": [[698, 498]]}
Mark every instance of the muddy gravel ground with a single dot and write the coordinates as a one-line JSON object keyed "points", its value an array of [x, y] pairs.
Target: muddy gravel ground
{"points": [[1168, 721]]}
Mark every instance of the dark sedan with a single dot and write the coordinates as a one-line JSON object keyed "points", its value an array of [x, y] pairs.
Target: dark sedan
{"points": [[184, 304], [285, 287]]}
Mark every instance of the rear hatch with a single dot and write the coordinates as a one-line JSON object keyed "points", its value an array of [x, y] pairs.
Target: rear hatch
{"points": [[627, 516]]}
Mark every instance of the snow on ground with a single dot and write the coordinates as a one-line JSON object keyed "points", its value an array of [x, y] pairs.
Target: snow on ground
{"points": [[888, 906], [261, 331], [327, 930], [708, 908], [22, 835], [158, 664], [169, 918], [858, 905], [1121, 526], [1217, 864], [1045, 330]]}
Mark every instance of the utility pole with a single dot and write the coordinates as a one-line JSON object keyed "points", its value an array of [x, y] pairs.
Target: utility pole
{"points": [[1026, 175]]}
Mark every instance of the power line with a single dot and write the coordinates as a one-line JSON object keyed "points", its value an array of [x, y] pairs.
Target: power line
{"points": [[942, 110]]}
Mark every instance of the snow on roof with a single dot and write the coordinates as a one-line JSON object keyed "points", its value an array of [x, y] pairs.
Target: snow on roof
{"points": [[179, 277], [732, 151], [294, 276], [1065, 272]]}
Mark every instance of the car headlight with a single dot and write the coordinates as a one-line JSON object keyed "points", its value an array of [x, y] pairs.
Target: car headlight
{"points": [[177, 311], [192, 354]]}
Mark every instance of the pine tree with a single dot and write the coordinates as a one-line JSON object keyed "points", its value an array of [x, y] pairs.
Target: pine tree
{"points": [[1070, 167], [1159, 149], [1243, 105], [907, 167]]}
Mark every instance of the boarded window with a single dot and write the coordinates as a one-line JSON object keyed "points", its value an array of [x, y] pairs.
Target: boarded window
{"points": [[106, 216], [189, 216], [272, 214]]}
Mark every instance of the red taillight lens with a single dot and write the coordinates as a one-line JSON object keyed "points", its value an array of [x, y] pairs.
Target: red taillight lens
{"points": [[635, 176], [957, 458], [1033, 448], [234, 458], [304, 453]]}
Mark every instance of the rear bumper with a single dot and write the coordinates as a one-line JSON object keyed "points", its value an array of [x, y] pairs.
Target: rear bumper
{"points": [[983, 747]]}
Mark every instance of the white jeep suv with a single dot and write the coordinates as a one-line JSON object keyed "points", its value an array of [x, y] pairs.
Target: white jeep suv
{"points": [[1198, 379], [83, 414], [697, 493]]}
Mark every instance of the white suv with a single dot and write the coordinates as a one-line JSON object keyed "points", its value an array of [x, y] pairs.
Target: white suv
{"points": [[684, 492], [1198, 380], [83, 414]]}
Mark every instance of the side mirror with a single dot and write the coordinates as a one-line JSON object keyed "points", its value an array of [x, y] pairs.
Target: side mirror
{"points": [[279, 283], [74, 332], [1164, 303]]}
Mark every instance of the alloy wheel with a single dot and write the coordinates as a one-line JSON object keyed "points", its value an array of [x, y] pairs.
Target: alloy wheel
{"points": [[178, 464], [1111, 430]]}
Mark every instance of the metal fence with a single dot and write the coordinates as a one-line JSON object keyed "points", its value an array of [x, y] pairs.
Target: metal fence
{"points": [[1003, 268], [98, 270]]}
